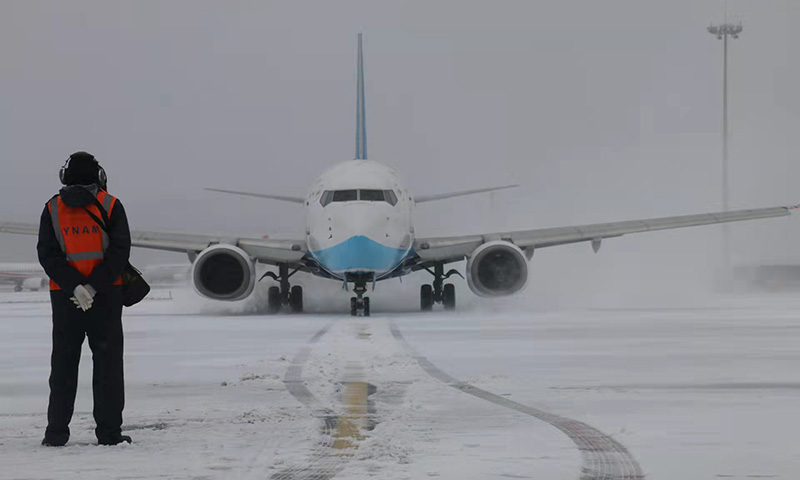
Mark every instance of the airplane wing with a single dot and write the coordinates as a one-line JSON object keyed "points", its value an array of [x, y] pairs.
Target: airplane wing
{"points": [[456, 248], [265, 250]]}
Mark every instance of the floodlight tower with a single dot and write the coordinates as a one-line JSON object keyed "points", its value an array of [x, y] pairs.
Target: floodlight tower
{"points": [[722, 32]]}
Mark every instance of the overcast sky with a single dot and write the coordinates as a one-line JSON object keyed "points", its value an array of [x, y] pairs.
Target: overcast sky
{"points": [[601, 110]]}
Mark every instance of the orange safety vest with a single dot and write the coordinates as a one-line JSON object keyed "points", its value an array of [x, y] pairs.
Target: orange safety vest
{"points": [[80, 237]]}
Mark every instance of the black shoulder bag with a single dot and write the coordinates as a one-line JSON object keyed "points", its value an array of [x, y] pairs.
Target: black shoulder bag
{"points": [[134, 286]]}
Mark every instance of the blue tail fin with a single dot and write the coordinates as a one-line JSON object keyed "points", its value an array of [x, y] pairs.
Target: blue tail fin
{"points": [[361, 120]]}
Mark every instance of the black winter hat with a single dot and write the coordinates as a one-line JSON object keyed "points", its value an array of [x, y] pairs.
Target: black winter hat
{"points": [[81, 169]]}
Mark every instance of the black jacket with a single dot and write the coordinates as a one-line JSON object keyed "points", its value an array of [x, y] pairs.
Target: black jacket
{"points": [[54, 260]]}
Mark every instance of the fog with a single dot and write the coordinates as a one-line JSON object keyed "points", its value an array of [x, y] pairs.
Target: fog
{"points": [[602, 111]]}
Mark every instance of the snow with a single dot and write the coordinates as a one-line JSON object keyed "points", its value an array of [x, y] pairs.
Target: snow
{"points": [[706, 390]]}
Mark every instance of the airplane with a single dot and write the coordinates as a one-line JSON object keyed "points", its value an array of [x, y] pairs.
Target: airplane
{"points": [[24, 276], [359, 230]]}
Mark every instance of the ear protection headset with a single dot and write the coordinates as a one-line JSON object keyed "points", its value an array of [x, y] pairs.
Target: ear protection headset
{"points": [[62, 174], [102, 180]]}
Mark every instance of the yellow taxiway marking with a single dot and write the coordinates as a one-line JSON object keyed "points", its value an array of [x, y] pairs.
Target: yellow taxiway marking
{"points": [[349, 426], [364, 332]]}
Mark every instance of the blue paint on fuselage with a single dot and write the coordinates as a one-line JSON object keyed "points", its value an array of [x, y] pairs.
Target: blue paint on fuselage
{"points": [[359, 254]]}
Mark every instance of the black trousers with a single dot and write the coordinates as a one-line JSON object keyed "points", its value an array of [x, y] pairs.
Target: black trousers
{"points": [[103, 325]]}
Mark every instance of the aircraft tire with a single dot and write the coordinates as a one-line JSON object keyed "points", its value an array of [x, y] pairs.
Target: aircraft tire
{"points": [[449, 297], [353, 306], [274, 299], [426, 298], [366, 306], [296, 299]]}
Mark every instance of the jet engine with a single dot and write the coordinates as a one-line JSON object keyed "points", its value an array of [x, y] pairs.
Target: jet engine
{"points": [[224, 272], [35, 283], [496, 269]]}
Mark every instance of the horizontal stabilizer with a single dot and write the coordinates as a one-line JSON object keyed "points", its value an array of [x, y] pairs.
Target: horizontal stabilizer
{"points": [[282, 198], [442, 196]]}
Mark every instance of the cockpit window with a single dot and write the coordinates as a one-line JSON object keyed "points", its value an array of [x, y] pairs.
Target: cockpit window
{"points": [[363, 195], [345, 195], [326, 198], [371, 195]]}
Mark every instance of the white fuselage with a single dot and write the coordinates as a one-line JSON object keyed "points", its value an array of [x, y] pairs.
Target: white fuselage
{"points": [[359, 220], [23, 275], [23, 270]]}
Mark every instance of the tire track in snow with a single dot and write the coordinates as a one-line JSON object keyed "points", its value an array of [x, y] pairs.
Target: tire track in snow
{"points": [[327, 459], [293, 380], [604, 458], [322, 463]]}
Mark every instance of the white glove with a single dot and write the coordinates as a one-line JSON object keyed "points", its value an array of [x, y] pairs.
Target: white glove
{"points": [[83, 296]]}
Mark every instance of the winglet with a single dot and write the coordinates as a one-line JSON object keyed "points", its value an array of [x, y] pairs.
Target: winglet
{"points": [[361, 120]]}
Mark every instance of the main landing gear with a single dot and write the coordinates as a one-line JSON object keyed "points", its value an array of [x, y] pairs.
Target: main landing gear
{"points": [[278, 296], [359, 305], [439, 292]]}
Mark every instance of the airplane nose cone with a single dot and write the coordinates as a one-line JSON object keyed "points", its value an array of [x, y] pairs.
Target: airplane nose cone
{"points": [[364, 220], [360, 237]]}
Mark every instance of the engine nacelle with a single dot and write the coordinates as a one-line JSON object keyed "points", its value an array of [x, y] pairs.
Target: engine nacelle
{"points": [[496, 269], [223, 272], [35, 283]]}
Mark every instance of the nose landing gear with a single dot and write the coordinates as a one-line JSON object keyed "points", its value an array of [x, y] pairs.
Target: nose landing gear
{"points": [[359, 305], [439, 292]]}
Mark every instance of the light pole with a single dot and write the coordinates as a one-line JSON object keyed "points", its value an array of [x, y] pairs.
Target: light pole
{"points": [[722, 32]]}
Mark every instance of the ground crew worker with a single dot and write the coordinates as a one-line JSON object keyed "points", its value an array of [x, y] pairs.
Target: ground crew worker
{"points": [[84, 264]]}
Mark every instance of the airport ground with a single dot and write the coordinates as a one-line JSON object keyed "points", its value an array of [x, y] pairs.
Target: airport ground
{"points": [[702, 391]]}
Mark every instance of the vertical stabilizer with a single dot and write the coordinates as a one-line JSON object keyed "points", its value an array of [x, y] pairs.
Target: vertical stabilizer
{"points": [[361, 120]]}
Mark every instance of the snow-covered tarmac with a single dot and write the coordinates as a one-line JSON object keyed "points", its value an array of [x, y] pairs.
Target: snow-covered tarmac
{"points": [[697, 392]]}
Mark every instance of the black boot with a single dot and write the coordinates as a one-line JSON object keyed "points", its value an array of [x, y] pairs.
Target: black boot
{"points": [[115, 440], [54, 442]]}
